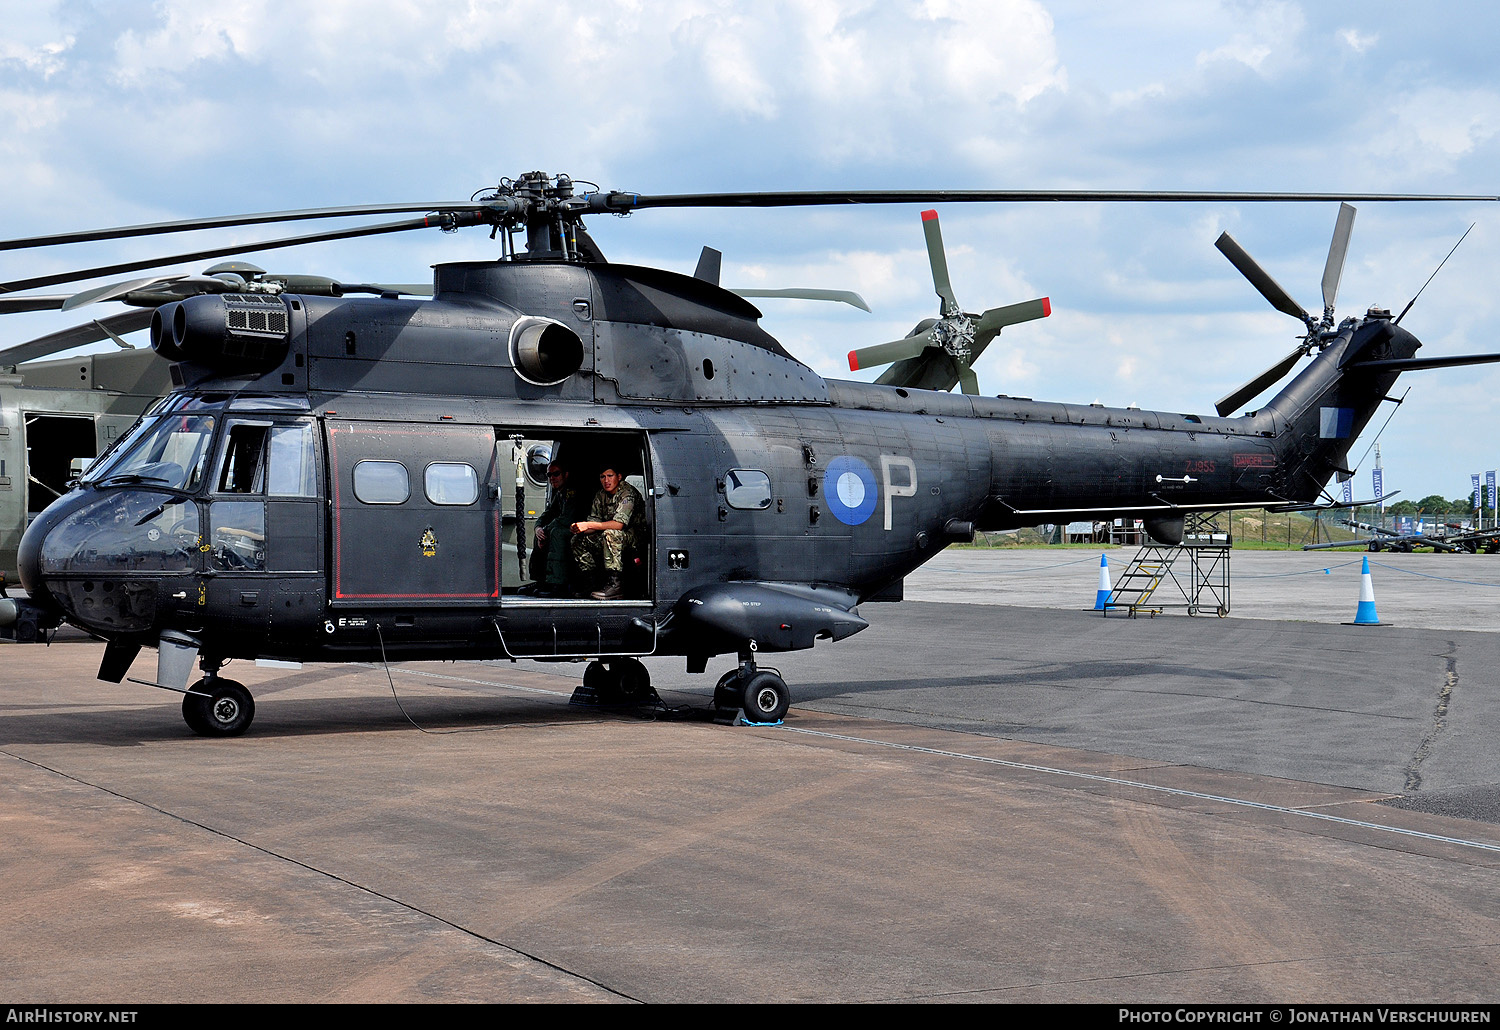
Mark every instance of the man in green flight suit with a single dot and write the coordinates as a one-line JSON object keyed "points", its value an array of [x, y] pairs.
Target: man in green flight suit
{"points": [[616, 525], [550, 555]]}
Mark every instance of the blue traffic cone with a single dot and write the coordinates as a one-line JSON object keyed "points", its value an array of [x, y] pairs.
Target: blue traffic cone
{"points": [[1365, 615], [1101, 600]]}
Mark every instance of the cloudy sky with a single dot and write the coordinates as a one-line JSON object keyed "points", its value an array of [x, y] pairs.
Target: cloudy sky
{"points": [[113, 113]]}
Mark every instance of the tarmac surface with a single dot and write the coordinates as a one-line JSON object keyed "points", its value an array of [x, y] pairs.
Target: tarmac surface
{"points": [[992, 794]]}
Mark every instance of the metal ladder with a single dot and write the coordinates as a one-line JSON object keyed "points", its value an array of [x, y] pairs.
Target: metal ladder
{"points": [[1198, 567]]}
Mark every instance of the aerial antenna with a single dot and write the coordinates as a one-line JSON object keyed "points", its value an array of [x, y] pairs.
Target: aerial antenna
{"points": [[1435, 271]]}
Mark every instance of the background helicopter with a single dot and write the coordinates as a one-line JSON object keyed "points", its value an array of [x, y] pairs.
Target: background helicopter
{"points": [[324, 484]]}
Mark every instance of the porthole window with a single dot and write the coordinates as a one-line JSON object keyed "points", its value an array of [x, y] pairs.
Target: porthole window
{"points": [[450, 482], [747, 488], [538, 457], [381, 482]]}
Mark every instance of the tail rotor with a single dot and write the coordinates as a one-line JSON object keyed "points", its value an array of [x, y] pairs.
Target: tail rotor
{"points": [[1319, 330]]}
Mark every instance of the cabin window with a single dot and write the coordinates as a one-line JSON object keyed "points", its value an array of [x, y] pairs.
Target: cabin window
{"points": [[748, 489], [538, 457], [381, 482], [450, 482]]}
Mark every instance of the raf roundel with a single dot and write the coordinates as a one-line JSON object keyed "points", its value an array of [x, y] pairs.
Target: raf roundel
{"points": [[849, 488]]}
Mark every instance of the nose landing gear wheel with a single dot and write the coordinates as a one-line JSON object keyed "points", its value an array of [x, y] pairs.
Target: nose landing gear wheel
{"points": [[225, 711], [765, 697]]}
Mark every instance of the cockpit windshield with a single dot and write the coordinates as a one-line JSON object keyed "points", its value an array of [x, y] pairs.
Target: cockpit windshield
{"points": [[168, 451]]}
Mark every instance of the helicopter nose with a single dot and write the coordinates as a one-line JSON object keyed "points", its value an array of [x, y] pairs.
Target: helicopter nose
{"points": [[29, 555], [103, 559]]}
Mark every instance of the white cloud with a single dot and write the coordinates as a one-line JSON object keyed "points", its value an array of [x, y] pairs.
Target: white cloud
{"points": [[1267, 30], [1432, 129], [1358, 41]]}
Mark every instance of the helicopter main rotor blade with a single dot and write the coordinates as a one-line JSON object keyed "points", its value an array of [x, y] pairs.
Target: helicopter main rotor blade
{"points": [[968, 382], [995, 319], [225, 221], [819, 198], [48, 302], [1338, 248], [933, 233], [109, 291], [885, 353], [1259, 278], [77, 336], [798, 293], [1233, 400], [239, 248]]}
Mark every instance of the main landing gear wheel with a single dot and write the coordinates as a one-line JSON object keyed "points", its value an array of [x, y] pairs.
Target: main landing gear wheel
{"points": [[225, 711], [618, 681]]}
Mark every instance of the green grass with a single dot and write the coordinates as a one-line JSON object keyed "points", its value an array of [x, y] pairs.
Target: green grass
{"points": [[1253, 530]]}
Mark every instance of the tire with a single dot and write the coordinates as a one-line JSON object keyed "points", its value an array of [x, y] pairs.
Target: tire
{"points": [[632, 680], [765, 698], [597, 677], [227, 711]]}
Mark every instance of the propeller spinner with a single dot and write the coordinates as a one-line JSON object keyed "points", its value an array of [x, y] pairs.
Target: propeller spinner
{"points": [[953, 340]]}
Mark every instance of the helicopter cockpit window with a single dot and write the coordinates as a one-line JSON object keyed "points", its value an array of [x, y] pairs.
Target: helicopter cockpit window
{"points": [[381, 482], [243, 468], [293, 462], [747, 488], [450, 482], [169, 451]]}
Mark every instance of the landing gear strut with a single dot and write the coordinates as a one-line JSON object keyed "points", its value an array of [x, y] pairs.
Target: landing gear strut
{"points": [[760, 693], [217, 707]]}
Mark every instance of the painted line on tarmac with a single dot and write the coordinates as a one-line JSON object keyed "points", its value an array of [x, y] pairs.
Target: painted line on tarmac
{"points": [[1174, 791], [271, 852]]}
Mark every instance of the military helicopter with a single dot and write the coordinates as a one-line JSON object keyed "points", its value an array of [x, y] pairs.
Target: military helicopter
{"points": [[325, 482]]}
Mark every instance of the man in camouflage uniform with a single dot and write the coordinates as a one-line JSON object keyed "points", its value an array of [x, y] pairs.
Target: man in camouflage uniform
{"points": [[549, 564], [616, 525]]}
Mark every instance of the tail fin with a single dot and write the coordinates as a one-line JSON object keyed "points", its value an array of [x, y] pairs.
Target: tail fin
{"points": [[1320, 414]]}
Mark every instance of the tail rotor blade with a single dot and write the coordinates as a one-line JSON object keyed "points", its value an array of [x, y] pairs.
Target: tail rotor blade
{"points": [[1274, 374], [1259, 278], [968, 382], [1338, 248], [885, 353], [939, 261]]}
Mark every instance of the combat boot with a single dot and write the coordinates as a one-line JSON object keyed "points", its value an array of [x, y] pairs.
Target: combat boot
{"points": [[613, 589]]}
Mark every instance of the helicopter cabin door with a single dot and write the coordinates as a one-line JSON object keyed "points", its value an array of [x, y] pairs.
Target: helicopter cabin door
{"points": [[264, 544], [413, 518]]}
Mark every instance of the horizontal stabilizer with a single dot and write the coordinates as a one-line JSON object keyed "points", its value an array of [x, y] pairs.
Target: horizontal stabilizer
{"points": [[1414, 364]]}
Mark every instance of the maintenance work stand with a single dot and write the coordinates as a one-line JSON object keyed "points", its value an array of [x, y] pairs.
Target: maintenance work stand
{"points": [[1192, 575]]}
